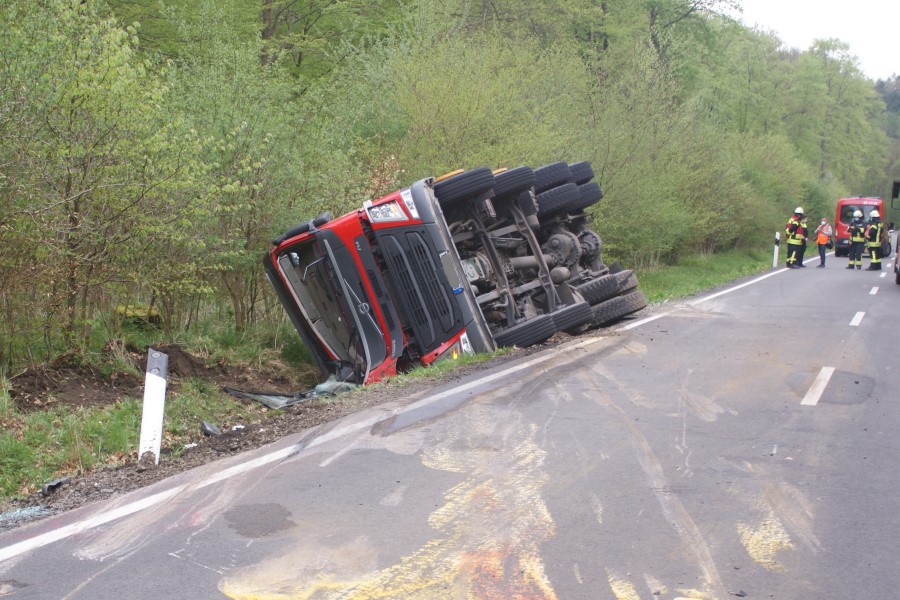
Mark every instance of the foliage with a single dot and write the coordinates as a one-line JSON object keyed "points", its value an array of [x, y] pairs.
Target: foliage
{"points": [[150, 150]]}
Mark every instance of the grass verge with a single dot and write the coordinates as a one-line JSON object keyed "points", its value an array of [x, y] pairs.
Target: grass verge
{"points": [[695, 274]]}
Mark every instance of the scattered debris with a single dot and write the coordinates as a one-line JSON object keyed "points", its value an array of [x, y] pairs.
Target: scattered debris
{"points": [[208, 429], [277, 400], [54, 485]]}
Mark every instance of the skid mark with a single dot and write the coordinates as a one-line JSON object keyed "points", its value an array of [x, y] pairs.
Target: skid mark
{"points": [[489, 530], [706, 409], [671, 505], [794, 510]]}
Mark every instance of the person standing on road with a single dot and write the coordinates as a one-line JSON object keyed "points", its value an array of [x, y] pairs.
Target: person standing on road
{"points": [[823, 236], [874, 239], [796, 231], [857, 232]]}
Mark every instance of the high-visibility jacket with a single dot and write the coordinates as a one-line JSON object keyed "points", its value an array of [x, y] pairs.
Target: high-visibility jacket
{"points": [[857, 231], [795, 231], [823, 234], [873, 234]]}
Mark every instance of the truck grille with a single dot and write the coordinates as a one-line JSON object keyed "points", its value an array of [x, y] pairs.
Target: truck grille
{"points": [[421, 292]]}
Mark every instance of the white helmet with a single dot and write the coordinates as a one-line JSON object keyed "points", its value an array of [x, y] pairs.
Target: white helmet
{"points": [[857, 214], [875, 214], [798, 210]]}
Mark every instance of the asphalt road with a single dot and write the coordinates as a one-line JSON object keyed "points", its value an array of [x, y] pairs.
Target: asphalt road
{"points": [[743, 444]]}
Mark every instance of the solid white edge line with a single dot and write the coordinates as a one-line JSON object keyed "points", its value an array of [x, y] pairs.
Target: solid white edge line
{"points": [[644, 321], [737, 287], [815, 392], [857, 319], [150, 501]]}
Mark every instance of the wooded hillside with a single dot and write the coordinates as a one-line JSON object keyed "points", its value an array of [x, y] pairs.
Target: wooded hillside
{"points": [[149, 150]]}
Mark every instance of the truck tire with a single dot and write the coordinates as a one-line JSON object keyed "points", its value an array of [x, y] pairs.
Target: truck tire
{"points": [[572, 317], [600, 289], [468, 184], [627, 281], [618, 307], [528, 332], [557, 200], [590, 194], [513, 181], [551, 176], [582, 172]]}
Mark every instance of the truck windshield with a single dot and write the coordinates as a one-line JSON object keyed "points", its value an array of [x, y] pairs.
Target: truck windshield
{"points": [[330, 305], [847, 211]]}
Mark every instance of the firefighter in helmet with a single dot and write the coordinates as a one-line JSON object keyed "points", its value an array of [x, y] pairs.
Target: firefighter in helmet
{"points": [[874, 239], [796, 233], [857, 231]]}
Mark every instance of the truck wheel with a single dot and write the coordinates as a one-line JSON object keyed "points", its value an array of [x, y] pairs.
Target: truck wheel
{"points": [[557, 200], [572, 317], [618, 307], [464, 185], [550, 176], [627, 281], [528, 332], [590, 194], [513, 181], [582, 172], [598, 290], [896, 276]]}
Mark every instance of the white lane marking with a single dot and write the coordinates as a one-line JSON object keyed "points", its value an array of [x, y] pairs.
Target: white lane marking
{"points": [[67, 531], [883, 275], [815, 392], [737, 287], [644, 321], [873, 291], [857, 319]]}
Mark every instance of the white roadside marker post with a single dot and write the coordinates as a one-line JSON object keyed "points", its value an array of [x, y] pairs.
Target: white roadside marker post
{"points": [[154, 403], [775, 254]]}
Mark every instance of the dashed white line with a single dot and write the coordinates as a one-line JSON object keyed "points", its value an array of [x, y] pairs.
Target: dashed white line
{"points": [[857, 319], [815, 392], [873, 291], [883, 275]]}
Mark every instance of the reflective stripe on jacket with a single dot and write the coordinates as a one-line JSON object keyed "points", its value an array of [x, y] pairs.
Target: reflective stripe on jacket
{"points": [[873, 233], [857, 231], [795, 231]]}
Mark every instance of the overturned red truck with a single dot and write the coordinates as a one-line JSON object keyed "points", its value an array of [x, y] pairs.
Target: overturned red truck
{"points": [[456, 264]]}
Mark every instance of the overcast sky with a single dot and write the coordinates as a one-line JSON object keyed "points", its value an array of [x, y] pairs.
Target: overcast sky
{"points": [[870, 27]]}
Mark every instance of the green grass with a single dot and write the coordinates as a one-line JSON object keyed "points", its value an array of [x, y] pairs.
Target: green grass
{"points": [[695, 274], [40, 446]]}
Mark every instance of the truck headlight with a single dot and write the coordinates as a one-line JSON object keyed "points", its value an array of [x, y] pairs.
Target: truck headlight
{"points": [[390, 211]]}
